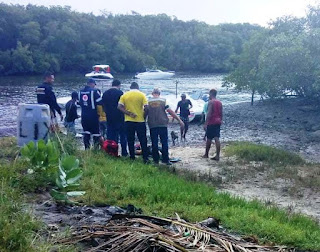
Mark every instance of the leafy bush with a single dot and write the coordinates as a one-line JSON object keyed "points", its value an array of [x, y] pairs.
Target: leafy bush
{"points": [[41, 156], [258, 152], [49, 169], [67, 179]]}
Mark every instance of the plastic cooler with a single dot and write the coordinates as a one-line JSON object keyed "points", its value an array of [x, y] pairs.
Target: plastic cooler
{"points": [[33, 122]]}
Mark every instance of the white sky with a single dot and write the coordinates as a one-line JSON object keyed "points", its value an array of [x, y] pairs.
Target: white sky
{"points": [[209, 11]]}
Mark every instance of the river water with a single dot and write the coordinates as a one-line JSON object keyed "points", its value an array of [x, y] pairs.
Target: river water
{"points": [[21, 89]]}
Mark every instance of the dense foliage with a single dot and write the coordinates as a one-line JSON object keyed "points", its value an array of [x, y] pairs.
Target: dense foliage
{"points": [[282, 60], [34, 39]]}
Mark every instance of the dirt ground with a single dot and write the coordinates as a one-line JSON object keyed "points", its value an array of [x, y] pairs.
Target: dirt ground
{"points": [[249, 180], [293, 125]]}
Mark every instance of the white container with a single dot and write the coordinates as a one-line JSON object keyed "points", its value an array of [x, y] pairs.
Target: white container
{"points": [[33, 122]]}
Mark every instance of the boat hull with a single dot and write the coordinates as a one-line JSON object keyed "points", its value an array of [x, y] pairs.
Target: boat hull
{"points": [[154, 76], [101, 76]]}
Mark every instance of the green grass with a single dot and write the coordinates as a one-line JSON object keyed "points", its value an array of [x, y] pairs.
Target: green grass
{"points": [[120, 182], [158, 192], [19, 229], [258, 152]]}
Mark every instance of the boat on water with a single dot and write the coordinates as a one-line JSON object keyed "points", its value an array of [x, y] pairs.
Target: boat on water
{"points": [[154, 74], [101, 72]]}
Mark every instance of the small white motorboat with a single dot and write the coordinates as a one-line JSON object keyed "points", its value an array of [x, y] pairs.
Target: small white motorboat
{"points": [[100, 72], [155, 74]]}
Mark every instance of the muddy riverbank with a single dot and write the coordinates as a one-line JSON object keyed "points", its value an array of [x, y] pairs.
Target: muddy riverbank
{"points": [[291, 124]]}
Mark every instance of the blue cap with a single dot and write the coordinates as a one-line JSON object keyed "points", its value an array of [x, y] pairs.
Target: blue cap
{"points": [[91, 81]]}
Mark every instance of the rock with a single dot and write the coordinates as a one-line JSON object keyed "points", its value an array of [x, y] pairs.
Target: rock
{"points": [[88, 211], [114, 210], [211, 222], [295, 138]]}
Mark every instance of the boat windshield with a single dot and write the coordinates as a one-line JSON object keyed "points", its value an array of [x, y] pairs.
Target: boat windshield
{"points": [[101, 69]]}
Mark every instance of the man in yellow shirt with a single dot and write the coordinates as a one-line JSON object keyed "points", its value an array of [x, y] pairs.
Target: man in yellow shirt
{"points": [[133, 104]]}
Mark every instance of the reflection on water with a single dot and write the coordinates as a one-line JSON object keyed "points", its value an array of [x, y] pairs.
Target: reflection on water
{"points": [[21, 89]]}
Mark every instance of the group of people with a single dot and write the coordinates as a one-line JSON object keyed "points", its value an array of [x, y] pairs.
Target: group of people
{"points": [[124, 115]]}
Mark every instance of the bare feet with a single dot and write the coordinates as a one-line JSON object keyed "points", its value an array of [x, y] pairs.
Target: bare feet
{"points": [[215, 158]]}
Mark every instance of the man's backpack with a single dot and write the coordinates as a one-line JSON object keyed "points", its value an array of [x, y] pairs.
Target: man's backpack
{"points": [[111, 147]]}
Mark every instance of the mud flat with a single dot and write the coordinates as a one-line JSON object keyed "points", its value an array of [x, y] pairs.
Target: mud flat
{"points": [[290, 124]]}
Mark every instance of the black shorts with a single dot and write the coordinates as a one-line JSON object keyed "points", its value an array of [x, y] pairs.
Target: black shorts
{"points": [[213, 131], [186, 122]]}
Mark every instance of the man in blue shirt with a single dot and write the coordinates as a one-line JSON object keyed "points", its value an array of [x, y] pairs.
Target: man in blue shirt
{"points": [[89, 98], [115, 122]]}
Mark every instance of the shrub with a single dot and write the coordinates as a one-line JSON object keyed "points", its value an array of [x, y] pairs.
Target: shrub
{"points": [[258, 152]]}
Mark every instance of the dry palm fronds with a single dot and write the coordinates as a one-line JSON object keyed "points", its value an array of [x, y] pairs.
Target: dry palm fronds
{"points": [[146, 233]]}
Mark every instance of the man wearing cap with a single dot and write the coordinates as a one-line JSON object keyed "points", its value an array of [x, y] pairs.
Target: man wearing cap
{"points": [[71, 114], [185, 105], [158, 124], [89, 98], [133, 104], [45, 95]]}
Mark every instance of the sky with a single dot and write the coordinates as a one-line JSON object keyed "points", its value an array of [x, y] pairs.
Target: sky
{"points": [[210, 11]]}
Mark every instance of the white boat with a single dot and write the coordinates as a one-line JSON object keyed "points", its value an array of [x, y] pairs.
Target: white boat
{"points": [[155, 74], [62, 101], [100, 72]]}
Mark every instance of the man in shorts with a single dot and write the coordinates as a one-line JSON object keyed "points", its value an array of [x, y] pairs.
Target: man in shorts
{"points": [[185, 105], [213, 123]]}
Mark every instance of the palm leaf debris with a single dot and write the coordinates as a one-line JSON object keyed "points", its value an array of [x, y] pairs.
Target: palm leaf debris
{"points": [[145, 233]]}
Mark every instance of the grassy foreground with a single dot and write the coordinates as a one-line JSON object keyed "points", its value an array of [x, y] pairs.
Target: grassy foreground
{"points": [[156, 191], [120, 182], [19, 229]]}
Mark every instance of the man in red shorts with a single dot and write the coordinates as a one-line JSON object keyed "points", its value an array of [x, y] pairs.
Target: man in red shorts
{"points": [[213, 123]]}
